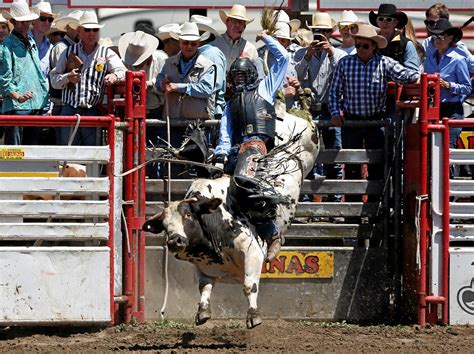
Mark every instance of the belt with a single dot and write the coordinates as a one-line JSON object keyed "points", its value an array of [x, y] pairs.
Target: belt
{"points": [[375, 116]]}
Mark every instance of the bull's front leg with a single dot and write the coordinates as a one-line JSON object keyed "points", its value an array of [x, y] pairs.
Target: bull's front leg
{"points": [[205, 288], [253, 268]]}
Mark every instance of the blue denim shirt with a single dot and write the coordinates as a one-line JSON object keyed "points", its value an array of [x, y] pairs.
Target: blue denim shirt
{"points": [[20, 72], [216, 56]]}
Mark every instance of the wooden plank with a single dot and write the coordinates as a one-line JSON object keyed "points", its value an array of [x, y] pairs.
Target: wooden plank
{"points": [[357, 156], [307, 209], [54, 231], [55, 208], [329, 231], [80, 186], [309, 186], [55, 153]]}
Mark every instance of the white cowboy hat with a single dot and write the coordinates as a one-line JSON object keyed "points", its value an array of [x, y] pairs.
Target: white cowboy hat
{"points": [[322, 20], [190, 32], [368, 32], [72, 17], [204, 24], [348, 17], [20, 11], [164, 32], [87, 20], [282, 16], [54, 29], [304, 37], [44, 7], [136, 47], [4, 20], [238, 12], [282, 30]]}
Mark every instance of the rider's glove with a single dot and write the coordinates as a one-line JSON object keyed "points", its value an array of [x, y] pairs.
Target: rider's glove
{"points": [[220, 161]]}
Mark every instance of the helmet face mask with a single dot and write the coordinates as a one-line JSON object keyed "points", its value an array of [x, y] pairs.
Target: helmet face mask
{"points": [[243, 72]]}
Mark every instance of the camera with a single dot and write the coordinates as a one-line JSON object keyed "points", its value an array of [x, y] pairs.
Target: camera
{"points": [[319, 37]]}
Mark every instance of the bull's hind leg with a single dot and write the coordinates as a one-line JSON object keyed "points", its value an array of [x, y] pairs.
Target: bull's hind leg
{"points": [[253, 268], [205, 288]]}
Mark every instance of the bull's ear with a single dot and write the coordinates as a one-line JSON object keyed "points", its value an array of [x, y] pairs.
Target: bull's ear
{"points": [[154, 225], [208, 206]]}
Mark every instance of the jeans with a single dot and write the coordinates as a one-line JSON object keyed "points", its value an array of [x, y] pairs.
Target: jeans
{"points": [[360, 138], [14, 135], [452, 110], [84, 136]]}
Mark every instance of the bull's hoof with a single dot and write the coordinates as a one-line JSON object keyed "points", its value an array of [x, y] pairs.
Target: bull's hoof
{"points": [[202, 315], [253, 318]]}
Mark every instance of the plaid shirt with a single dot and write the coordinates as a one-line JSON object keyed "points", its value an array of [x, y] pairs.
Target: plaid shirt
{"points": [[361, 89]]}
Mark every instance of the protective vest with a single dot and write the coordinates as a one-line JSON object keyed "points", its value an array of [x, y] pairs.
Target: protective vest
{"points": [[251, 114], [55, 93], [396, 48]]}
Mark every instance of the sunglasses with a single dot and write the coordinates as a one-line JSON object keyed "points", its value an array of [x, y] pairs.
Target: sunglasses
{"points": [[441, 37], [363, 46], [346, 27], [191, 43], [91, 29], [385, 19], [46, 18], [322, 30], [430, 23]]}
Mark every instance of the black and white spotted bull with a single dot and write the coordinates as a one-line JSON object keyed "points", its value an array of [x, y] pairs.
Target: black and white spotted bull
{"points": [[208, 230]]}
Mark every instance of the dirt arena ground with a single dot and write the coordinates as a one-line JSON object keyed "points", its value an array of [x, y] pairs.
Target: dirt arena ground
{"points": [[231, 336]]}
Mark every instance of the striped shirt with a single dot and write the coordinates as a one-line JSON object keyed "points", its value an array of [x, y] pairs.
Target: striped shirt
{"points": [[89, 91], [361, 89]]}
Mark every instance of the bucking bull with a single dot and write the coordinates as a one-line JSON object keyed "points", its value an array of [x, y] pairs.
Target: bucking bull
{"points": [[208, 230]]}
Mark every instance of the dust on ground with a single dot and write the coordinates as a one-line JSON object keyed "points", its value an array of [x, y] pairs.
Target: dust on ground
{"points": [[232, 336]]}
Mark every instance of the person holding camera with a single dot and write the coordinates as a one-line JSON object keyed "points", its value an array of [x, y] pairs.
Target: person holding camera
{"points": [[315, 70]]}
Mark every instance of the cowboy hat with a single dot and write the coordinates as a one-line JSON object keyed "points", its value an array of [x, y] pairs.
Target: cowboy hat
{"points": [[389, 10], [164, 32], [44, 7], [348, 17], [4, 20], [443, 26], [282, 30], [145, 27], [136, 47], [368, 32], [322, 20], [282, 16], [87, 20], [303, 37], [20, 11], [238, 12], [54, 29], [190, 32], [204, 24], [64, 21]]}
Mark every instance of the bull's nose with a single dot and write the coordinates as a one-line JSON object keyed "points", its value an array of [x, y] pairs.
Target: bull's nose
{"points": [[176, 242]]}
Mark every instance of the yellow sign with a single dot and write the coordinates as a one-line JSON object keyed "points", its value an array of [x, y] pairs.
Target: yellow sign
{"points": [[288, 264], [466, 140], [12, 154]]}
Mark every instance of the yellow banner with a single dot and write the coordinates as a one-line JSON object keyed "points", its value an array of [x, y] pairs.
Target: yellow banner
{"points": [[12, 154], [289, 264]]}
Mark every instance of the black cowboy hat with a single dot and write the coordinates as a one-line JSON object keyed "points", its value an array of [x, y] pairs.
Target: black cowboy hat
{"points": [[389, 10], [444, 26]]}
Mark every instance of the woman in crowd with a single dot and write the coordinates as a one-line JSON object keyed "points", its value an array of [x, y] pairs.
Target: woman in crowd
{"points": [[346, 25]]}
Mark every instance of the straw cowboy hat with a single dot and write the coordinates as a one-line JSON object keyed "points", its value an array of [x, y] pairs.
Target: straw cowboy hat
{"points": [[389, 10], [190, 32], [4, 20], [282, 30], [54, 29], [348, 17], [44, 7], [239, 12], [367, 31], [204, 24], [87, 20], [322, 20], [20, 11], [303, 37], [136, 47], [63, 21], [282, 16], [443, 26], [164, 32]]}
